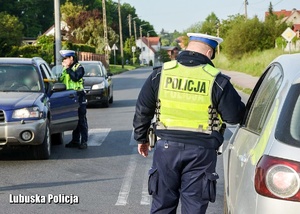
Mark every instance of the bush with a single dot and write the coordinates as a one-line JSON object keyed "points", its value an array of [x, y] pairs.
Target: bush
{"points": [[244, 37], [78, 47]]}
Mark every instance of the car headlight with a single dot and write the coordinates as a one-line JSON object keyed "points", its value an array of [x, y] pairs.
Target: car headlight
{"points": [[99, 86], [32, 112]]}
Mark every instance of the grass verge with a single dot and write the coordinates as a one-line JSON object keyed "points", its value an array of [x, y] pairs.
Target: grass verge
{"points": [[253, 64], [117, 69], [245, 90]]}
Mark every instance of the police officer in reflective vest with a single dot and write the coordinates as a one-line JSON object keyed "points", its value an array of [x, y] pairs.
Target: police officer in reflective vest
{"points": [[191, 101], [72, 77]]}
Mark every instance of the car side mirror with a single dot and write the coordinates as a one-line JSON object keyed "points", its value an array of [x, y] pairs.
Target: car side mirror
{"points": [[109, 74], [59, 87]]}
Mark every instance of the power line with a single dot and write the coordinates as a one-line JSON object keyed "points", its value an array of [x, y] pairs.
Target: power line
{"points": [[277, 3]]}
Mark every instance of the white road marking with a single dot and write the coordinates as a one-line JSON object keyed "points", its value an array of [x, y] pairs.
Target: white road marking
{"points": [[132, 140], [232, 129], [96, 136], [127, 181], [146, 198]]}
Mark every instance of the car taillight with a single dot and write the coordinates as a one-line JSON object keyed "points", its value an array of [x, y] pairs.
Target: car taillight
{"points": [[278, 178]]}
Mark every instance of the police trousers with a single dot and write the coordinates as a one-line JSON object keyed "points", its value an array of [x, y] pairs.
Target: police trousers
{"points": [[185, 172], [80, 133]]}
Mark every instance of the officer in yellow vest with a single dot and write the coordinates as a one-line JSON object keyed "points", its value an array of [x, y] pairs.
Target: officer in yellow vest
{"points": [[72, 77], [191, 100]]}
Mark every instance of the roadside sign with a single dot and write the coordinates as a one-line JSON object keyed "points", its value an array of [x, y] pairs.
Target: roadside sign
{"points": [[107, 48], [114, 47], [288, 34]]}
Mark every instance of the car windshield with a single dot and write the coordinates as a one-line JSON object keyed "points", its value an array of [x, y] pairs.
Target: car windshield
{"points": [[19, 78], [288, 127], [92, 70]]}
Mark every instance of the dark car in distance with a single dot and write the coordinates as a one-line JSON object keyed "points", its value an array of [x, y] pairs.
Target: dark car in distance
{"points": [[35, 110], [98, 83]]}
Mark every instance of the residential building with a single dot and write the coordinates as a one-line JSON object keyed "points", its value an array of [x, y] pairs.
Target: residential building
{"points": [[289, 16], [149, 50]]}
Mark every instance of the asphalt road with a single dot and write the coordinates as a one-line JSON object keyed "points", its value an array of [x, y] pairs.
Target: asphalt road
{"points": [[108, 177]]}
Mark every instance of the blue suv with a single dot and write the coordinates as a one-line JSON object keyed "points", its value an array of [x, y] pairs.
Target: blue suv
{"points": [[35, 110]]}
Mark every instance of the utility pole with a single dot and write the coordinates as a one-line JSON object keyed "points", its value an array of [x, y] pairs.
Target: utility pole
{"points": [[121, 36], [129, 23], [218, 35], [105, 33], [141, 36], [246, 3], [57, 43]]}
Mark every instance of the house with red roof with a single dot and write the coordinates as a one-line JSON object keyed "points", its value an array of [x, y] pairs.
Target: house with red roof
{"points": [[289, 16], [149, 50]]}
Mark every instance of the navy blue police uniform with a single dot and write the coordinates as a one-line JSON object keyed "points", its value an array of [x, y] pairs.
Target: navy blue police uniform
{"points": [[73, 78], [184, 162]]}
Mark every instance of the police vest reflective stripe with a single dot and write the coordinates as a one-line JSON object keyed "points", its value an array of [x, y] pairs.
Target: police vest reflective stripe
{"points": [[70, 84], [184, 98]]}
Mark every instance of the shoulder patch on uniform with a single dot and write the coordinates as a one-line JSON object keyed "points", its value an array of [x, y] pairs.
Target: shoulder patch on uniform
{"points": [[211, 70], [170, 64]]}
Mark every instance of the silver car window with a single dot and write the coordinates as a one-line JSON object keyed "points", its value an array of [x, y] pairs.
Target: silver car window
{"points": [[288, 126], [264, 99]]}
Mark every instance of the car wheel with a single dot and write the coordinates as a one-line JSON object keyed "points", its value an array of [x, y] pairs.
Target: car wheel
{"points": [[111, 100], [105, 103], [43, 151], [57, 139]]}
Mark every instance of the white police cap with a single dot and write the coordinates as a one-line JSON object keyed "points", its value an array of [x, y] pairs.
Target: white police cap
{"points": [[212, 41], [67, 53]]}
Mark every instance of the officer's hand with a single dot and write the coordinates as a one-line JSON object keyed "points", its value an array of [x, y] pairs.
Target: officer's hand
{"points": [[143, 149], [68, 71]]}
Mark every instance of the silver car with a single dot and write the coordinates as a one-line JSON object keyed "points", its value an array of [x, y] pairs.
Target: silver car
{"points": [[262, 159]]}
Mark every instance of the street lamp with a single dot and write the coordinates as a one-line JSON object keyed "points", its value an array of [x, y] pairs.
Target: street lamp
{"points": [[149, 46]]}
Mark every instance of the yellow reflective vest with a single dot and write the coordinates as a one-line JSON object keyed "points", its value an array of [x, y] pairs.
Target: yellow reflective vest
{"points": [[184, 98], [70, 84]]}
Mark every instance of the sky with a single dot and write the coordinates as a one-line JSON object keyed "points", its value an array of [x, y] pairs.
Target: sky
{"points": [[179, 15]]}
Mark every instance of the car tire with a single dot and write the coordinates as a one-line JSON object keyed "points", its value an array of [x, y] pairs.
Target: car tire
{"points": [[57, 138], [111, 100], [105, 103], [43, 151]]}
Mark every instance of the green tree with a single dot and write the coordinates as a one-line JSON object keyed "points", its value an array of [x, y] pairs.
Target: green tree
{"points": [[244, 37], [75, 17], [70, 10], [228, 23], [10, 33], [129, 43], [274, 27], [35, 15], [92, 33], [209, 26], [163, 55], [45, 44]]}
